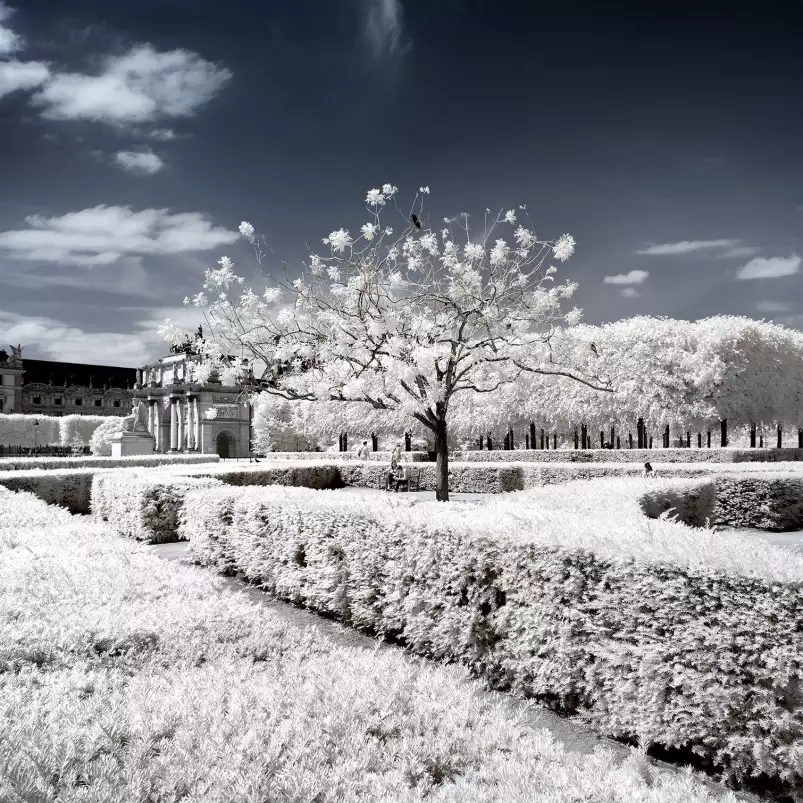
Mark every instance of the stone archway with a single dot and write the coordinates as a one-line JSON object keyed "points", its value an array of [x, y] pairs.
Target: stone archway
{"points": [[224, 445]]}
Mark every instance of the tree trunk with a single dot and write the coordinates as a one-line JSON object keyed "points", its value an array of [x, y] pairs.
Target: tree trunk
{"points": [[640, 434], [408, 442], [709, 439], [441, 462], [630, 439], [542, 438], [800, 439], [532, 435], [555, 440], [489, 443], [374, 443], [780, 437], [723, 432], [752, 436], [699, 440], [526, 440], [575, 438]]}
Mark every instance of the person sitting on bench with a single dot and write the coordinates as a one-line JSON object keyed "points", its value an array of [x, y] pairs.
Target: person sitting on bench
{"points": [[402, 478]]}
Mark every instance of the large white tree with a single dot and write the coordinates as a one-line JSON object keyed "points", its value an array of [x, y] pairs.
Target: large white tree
{"points": [[407, 323]]}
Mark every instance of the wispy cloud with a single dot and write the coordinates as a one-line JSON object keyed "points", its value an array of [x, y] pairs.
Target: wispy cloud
{"points": [[384, 26], [139, 162], [774, 307], [740, 252], [770, 268], [685, 247], [10, 42], [630, 292], [142, 85], [104, 234], [16, 76], [632, 277], [162, 134], [60, 341]]}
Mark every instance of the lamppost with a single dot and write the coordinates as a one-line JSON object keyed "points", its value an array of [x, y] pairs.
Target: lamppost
{"points": [[35, 435]]}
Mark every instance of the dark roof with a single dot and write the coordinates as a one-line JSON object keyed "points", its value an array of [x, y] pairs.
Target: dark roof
{"points": [[43, 370]]}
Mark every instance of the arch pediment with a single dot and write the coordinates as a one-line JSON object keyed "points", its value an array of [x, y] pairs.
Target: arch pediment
{"points": [[37, 387]]}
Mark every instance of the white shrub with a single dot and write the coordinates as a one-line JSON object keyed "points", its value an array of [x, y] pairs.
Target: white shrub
{"points": [[677, 636]]}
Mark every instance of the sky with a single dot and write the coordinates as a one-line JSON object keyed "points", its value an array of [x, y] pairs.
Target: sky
{"points": [[667, 138]]}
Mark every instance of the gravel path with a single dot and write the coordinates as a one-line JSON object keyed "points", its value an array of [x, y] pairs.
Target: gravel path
{"points": [[576, 737]]}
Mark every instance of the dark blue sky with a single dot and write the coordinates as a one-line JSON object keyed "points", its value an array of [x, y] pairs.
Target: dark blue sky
{"points": [[630, 125]]}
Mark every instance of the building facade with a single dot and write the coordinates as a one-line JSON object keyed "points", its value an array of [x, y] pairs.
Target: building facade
{"points": [[46, 387], [180, 411]]}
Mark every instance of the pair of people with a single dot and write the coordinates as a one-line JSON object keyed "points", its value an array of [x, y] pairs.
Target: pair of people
{"points": [[398, 474]]}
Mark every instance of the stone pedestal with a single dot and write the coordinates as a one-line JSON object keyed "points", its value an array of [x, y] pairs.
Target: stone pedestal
{"points": [[128, 443]]}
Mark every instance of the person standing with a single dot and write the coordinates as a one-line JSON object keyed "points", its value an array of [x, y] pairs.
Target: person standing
{"points": [[364, 451]]}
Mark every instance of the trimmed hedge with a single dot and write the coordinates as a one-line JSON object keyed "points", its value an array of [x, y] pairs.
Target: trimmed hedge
{"points": [[48, 463], [718, 455], [669, 635], [143, 506], [54, 482], [70, 488]]}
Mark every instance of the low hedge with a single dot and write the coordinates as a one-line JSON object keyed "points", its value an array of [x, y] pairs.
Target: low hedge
{"points": [[143, 506], [655, 632], [58, 463], [674, 455], [70, 488]]}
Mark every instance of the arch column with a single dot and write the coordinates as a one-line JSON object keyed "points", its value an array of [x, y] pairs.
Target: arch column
{"points": [[152, 419], [191, 440], [196, 423], [180, 425], [174, 423]]}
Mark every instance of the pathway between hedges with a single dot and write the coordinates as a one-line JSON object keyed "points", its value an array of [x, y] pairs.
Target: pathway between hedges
{"points": [[576, 737]]}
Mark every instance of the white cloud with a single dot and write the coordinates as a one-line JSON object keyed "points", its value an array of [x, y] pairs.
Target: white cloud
{"points": [[383, 26], [20, 75], [773, 307], [146, 162], [140, 86], [102, 235], [632, 277], [163, 134], [60, 341], [9, 41], [770, 268], [739, 252], [686, 247], [630, 292]]}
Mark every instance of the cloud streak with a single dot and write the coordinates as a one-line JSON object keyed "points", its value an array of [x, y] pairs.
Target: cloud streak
{"points": [[384, 25], [102, 235], [770, 268], [685, 247], [138, 162], [632, 277]]}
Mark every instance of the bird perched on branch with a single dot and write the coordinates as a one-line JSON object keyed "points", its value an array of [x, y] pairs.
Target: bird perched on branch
{"points": [[594, 350], [416, 221]]}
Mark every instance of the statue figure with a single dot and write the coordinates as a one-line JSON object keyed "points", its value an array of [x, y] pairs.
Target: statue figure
{"points": [[137, 421], [175, 373], [16, 353], [139, 378]]}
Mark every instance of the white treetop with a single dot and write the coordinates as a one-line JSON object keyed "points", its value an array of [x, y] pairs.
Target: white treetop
{"points": [[406, 322]]}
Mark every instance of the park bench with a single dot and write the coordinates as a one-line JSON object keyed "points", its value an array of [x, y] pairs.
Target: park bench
{"points": [[413, 481]]}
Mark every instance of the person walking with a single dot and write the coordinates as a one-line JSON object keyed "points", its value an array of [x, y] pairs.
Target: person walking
{"points": [[364, 451], [395, 459]]}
